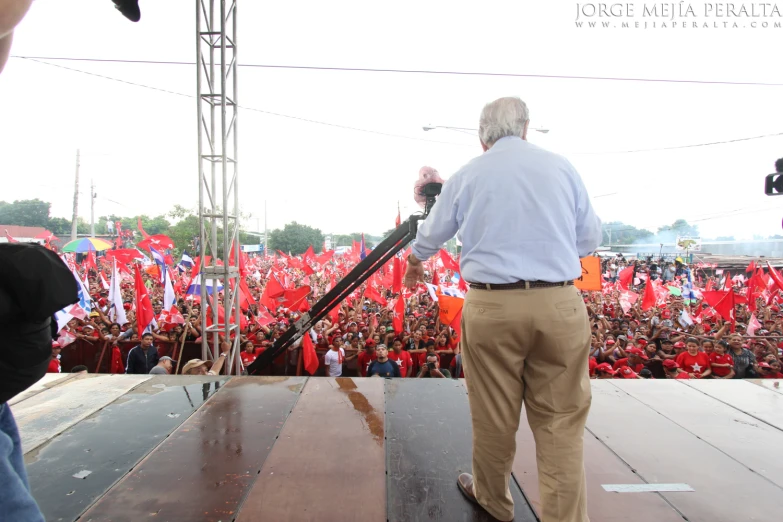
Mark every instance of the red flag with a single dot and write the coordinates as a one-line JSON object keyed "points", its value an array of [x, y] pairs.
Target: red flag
{"points": [[398, 315], [117, 366], [723, 303], [272, 292], [397, 221], [247, 297], [171, 318], [90, 261], [397, 272], [753, 325], [372, 293], [294, 298], [158, 241], [264, 318], [124, 255], [709, 285], [448, 261], [728, 284], [309, 355], [309, 254], [141, 229], [649, 299], [323, 258], [626, 277], [9, 238], [775, 275], [144, 313], [751, 267]]}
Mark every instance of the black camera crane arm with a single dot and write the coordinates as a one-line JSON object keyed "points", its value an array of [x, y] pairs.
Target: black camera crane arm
{"points": [[389, 247]]}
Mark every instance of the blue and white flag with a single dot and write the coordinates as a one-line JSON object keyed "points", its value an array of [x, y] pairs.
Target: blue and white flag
{"points": [[186, 259], [195, 286], [84, 294]]}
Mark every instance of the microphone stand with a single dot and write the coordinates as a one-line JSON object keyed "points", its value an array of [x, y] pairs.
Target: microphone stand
{"points": [[389, 247]]}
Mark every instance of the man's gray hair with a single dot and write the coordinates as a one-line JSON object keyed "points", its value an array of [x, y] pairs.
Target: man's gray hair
{"points": [[502, 117]]}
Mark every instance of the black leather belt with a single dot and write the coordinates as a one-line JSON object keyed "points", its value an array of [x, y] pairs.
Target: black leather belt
{"points": [[519, 285]]}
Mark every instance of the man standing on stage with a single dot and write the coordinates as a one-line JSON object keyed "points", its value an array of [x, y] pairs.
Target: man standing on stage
{"points": [[524, 218]]}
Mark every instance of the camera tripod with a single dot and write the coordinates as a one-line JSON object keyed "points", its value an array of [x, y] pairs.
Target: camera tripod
{"points": [[389, 247]]}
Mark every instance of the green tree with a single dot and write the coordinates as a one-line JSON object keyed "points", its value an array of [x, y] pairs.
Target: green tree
{"points": [[295, 238], [60, 227], [619, 233], [184, 232], [152, 226], [340, 239], [25, 212], [681, 228]]}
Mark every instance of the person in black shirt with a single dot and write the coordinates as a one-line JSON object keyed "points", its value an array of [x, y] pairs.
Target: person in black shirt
{"points": [[382, 366], [143, 357], [431, 369]]}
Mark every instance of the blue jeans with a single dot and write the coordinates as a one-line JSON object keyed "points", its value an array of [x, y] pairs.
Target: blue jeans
{"points": [[16, 501]]}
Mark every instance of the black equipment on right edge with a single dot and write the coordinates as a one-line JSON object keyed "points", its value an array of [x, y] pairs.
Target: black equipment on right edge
{"points": [[773, 185]]}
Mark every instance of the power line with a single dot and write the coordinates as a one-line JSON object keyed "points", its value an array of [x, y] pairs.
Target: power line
{"points": [[270, 113], [682, 146], [416, 71], [381, 133]]}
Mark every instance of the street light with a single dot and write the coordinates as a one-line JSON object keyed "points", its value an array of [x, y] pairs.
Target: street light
{"points": [[461, 129]]}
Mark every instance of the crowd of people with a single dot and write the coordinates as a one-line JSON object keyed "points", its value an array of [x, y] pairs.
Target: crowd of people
{"points": [[678, 334]]}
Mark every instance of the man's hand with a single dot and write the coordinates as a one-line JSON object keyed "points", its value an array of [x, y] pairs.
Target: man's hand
{"points": [[414, 272]]}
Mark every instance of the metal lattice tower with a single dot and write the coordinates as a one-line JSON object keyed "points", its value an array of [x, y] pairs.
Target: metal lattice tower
{"points": [[216, 63]]}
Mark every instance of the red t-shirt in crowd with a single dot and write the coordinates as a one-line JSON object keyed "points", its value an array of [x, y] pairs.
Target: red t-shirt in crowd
{"points": [[776, 375], [624, 362], [404, 360], [248, 358], [592, 363], [364, 360], [721, 359], [683, 375], [54, 366], [693, 363]]}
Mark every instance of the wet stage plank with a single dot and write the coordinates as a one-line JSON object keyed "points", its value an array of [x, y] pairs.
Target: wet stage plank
{"points": [[329, 462], [49, 380], [205, 468], [718, 424], [53, 411], [663, 453], [601, 467], [776, 385], [756, 401], [109, 443], [428, 444]]}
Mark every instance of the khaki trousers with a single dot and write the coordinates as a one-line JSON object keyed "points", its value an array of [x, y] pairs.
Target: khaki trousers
{"points": [[532, 346]]}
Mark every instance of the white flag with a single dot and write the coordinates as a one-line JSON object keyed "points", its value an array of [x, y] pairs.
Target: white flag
{"points": [[104, 284], [115, 297], [169, 297], [753, 324]]}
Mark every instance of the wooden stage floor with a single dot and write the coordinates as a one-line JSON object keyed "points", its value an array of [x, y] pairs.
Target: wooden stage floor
{"points": [[187, 448]]}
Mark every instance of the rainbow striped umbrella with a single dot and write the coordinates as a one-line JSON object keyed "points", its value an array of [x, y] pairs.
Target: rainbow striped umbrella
{"points": [[87, 244]]}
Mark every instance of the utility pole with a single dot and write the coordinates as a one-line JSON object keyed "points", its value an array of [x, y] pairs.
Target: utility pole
{"points": [[266, 232], [75, 200], [92, 208]]}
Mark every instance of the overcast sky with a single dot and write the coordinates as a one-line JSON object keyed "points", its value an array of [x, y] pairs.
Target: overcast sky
{"points": [[139, 144]]}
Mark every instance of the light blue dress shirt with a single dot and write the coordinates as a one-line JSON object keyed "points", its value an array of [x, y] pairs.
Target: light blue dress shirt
{"points": [[521, 212]]}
